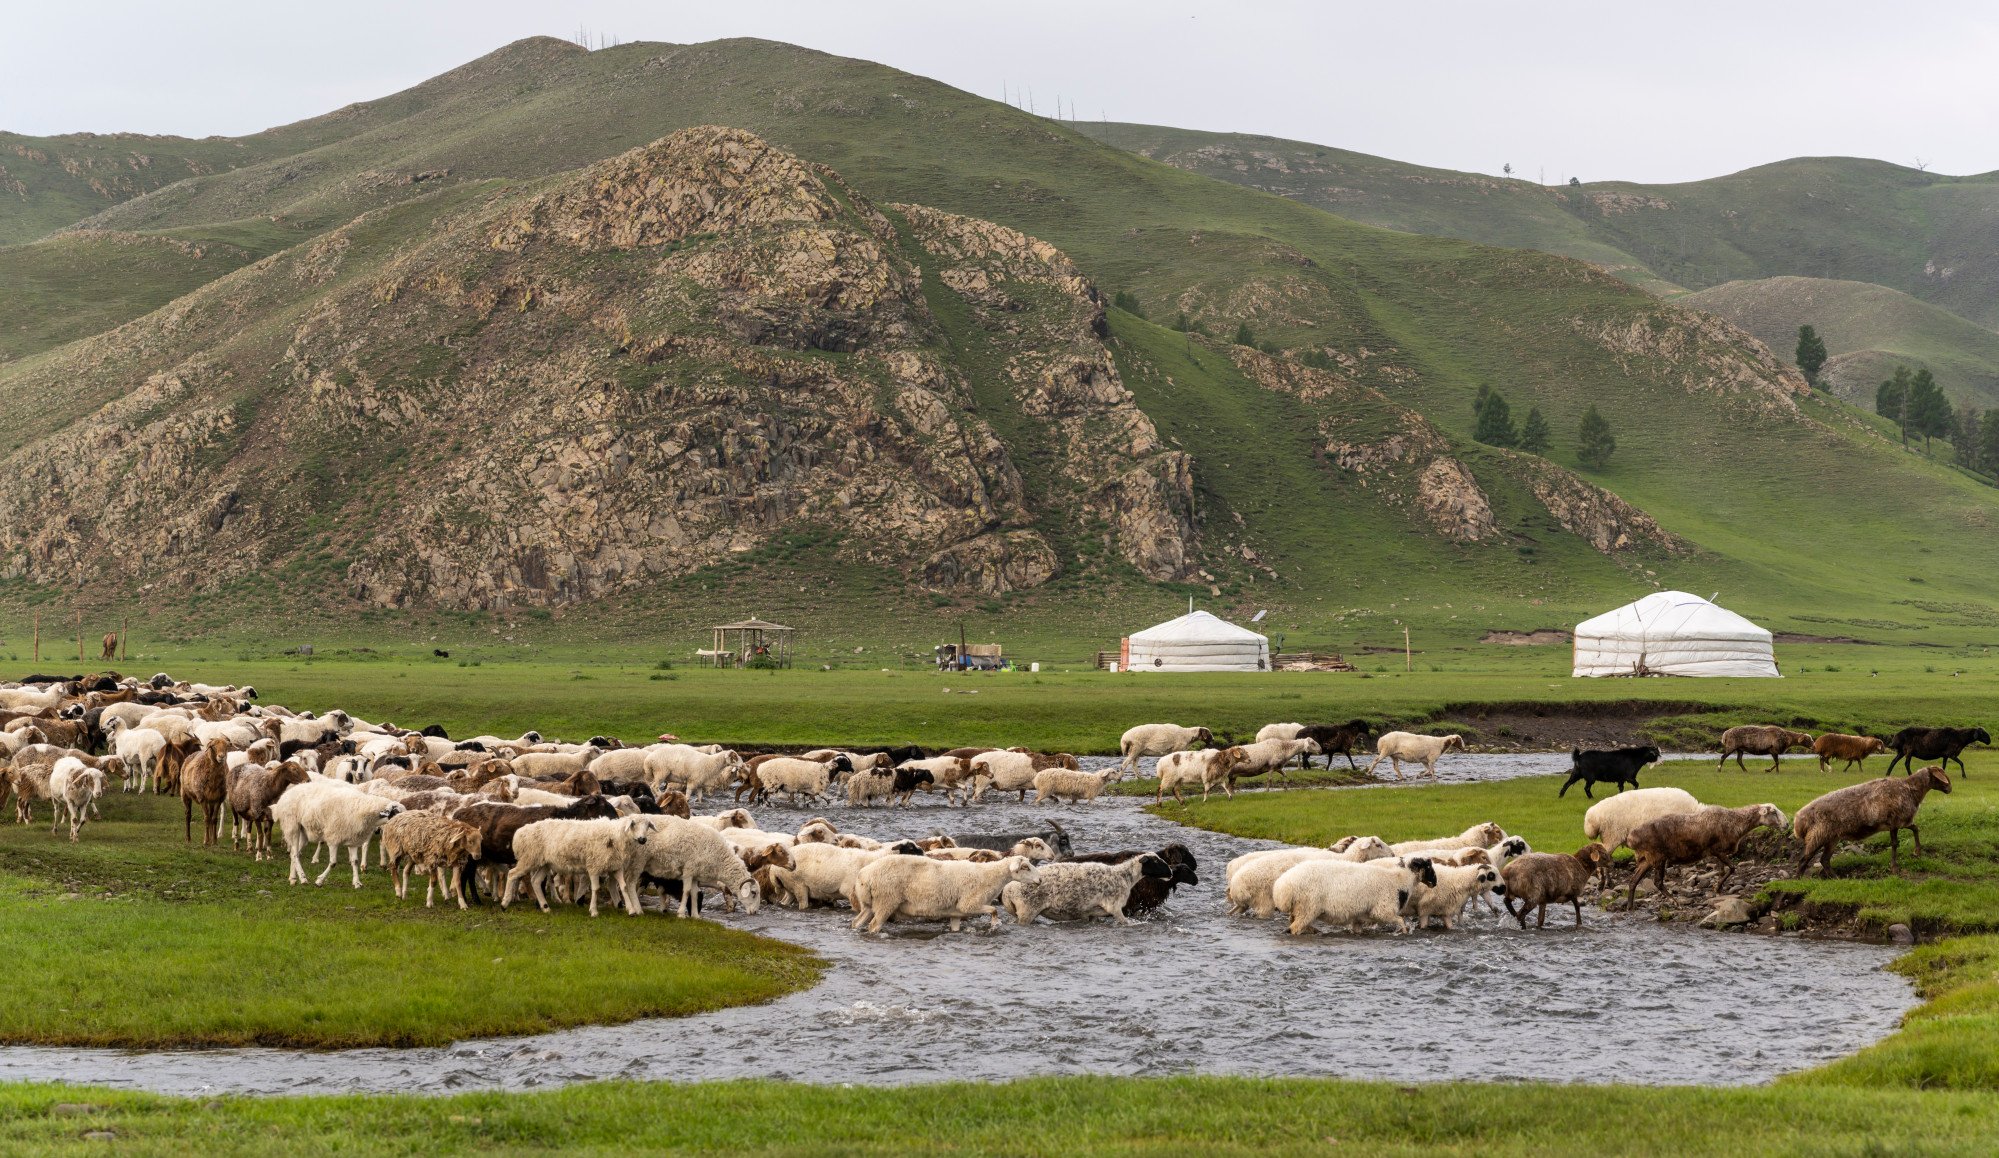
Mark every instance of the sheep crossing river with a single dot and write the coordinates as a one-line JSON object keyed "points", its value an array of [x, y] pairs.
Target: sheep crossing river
{"points": [[1189, 991]]}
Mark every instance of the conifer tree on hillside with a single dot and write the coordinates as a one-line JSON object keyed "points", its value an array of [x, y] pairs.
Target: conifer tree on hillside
{"points": [[1811, 353], [1495, 422], [1988, 442], [1964, 438], [1534, 433], [1928, 409], [1244, 336], [1891, 400], [1594, 442]]}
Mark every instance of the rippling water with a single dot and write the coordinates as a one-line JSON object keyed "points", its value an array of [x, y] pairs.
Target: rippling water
{"points": [[1187, 991]]}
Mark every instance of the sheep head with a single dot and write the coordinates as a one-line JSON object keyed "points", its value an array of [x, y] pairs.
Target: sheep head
{"points": [[1595, 856], [1454, 742], [1204, 736], [1019, 868], [1936, 777], [1424, 868], [1152, 865], [748, 894], [1769, 815]]}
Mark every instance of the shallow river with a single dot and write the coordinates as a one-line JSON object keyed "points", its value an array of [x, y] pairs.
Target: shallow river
{"points": [[1188, 991]]}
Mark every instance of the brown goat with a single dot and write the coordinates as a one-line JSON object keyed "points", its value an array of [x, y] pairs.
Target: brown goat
{"points": [[1832, 746], [1860, 810], [1760, 740], [1690, 837], [1538, 879], [204, 780]]}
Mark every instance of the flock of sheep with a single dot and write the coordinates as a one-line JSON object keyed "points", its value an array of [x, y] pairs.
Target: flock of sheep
{"points": [[579, 822]]}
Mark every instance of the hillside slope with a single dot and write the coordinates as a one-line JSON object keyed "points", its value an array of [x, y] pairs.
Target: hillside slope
{"points": [[353, 420], [1868, 330], [1932, 236]]}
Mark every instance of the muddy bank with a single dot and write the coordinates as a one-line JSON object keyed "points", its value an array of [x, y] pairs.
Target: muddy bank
{"points": [[1189, 991], [1559, 727]]}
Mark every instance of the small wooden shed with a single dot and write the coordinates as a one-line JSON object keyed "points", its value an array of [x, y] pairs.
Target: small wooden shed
{"points": [[751, 638]]}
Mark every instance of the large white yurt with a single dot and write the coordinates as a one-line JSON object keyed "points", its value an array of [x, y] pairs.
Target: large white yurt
{"points": [[1673, 633], [1197, 641]]}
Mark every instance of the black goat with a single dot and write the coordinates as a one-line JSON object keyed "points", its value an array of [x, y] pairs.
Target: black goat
{"points": [[1057, 839], [1150, 892], [1945, 744], [896, 753], [1341, 738], [907, 781], [1617, 766]]}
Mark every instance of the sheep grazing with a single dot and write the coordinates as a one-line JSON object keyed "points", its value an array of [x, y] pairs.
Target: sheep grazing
{"points": [[1071, 786], [1205, 766], [1395, 747], [499, 823], [1157, 740], [334, 814], [1611, 822], [1331, 738], [74, 786], [1456, 886], [1617, 766], [920, 889], [431, 844], [1861, 810], [204, 780], [1943, 744], [693, 857], [1689, 837], [1150, 892], [1477, 836], [140, 748], [1539, 879], [591, 849], [1352, 894], [1270, 756], [1760, 740], [1832, 746], [1080, 890]]}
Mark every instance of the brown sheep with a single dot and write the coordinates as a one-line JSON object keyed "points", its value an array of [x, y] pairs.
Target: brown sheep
{"points": [[252, 790], [429, 843], [1861, 810], [1538, 879], [1691, 837], [204, 780], [1760, 740], [1832, 746]]}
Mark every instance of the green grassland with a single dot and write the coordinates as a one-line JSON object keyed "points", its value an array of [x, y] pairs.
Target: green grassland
{"points": [[161, 944], [1926, 234], [1868, 329]]}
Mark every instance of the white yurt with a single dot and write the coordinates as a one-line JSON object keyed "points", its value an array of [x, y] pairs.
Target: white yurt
{"points": [[1197, 641], [1673, 633]]}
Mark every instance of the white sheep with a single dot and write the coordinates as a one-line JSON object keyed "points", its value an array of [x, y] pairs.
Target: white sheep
{"points": [[1477, 836], [867, 789], [1157, 740], [733, 818], [1278, 732], [1079, 890], [74, 786], [824, 873], [1271, 756], [1206, 767], [590, 849], [1395, 747], [697, 857], [1252, 875], [1355, 895], [796, 777], [1009, 771], [955, 776], [1611, 821], [1456, 886], [548, 765], [920, 889], [333, 814], [688, 768], [623, 763], [1072, 786], [140, 748]]}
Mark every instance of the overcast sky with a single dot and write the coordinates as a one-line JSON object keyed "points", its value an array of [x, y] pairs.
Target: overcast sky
{"points": [[1655, 92]]}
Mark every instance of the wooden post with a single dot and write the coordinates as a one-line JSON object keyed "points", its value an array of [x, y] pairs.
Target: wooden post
{"points": [[124, 636], [1408, 660]]}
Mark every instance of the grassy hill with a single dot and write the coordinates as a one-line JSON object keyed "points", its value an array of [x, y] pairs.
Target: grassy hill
{"points": [[1344, 497], [1868, 330], [1932, 236]]}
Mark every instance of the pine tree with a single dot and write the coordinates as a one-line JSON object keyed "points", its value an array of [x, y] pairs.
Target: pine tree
{"points": [[1594, 443], [1181, 324], [1811, 353], [1478, 403], [1964, 438], [1929, 412], [1988, 442], [1244, 336], [1891, 400], [1534, 433], [1495, 422], [1128, 302]]}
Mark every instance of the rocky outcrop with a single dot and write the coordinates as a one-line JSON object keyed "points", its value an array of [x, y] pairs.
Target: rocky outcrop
{"points": [[1699, 353], [1591, 513], [652, 367]]}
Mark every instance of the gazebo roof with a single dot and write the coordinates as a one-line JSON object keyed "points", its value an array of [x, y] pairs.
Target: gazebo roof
{"points": [[751, 624]]}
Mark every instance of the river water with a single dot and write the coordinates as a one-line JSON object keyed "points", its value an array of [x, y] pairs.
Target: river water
{"points": [[1188, 991]]}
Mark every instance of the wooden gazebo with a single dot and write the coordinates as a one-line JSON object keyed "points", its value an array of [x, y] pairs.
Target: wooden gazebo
{"points": [[752, 637]]}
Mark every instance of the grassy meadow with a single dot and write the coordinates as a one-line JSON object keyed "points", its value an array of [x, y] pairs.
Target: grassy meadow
{"points": [[162, 944]]}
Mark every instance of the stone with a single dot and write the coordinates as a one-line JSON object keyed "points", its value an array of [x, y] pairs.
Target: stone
{"points": [[100, 1136], [1901, 934], [74, 1109], [1728, 913]]}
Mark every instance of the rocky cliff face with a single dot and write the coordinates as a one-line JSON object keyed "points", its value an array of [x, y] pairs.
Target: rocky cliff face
{"points": [[628, 374]]}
